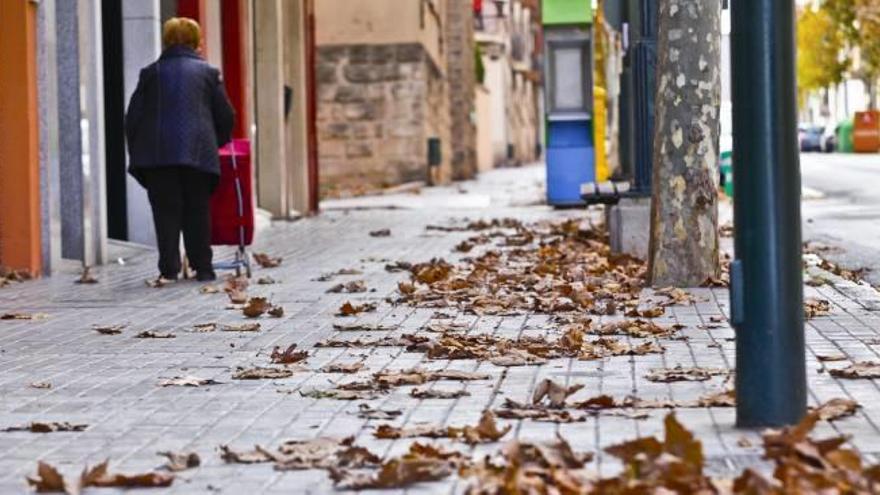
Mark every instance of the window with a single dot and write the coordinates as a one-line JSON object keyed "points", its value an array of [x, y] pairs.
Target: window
{"points": [[569, 74]]}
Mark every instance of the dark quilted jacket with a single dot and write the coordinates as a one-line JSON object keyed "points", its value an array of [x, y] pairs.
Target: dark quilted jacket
{"points": [[178, 115]]}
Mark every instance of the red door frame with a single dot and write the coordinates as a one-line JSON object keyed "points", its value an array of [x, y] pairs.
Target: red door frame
{"points": [[312, 112], [20, 216], [232, 24], [233, 20], [194, 9]]}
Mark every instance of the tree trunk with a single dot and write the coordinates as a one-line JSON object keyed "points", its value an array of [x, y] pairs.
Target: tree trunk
{"points": [[684, 209], [871, 89]]}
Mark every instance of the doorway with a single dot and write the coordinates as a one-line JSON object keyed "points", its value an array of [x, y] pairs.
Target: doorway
{"points": [[114, 118]]}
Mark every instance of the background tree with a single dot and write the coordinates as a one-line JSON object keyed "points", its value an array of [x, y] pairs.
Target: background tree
{"points": [[821, 59], [858, 22], [684, 207], [867, 18], [843, 12]]}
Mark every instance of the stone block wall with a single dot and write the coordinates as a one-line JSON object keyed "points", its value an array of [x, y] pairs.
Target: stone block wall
{"points": [[377, 106], [461, 74]]}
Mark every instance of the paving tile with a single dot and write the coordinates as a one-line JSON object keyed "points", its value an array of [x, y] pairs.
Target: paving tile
{"points": [[111, 382]]}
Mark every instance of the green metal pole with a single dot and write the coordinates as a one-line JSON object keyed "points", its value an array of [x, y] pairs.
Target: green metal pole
{"points": [[766, 276]]}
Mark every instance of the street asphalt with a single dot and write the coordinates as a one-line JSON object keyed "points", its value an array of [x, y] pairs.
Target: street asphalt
{"points": [[847, 215]]}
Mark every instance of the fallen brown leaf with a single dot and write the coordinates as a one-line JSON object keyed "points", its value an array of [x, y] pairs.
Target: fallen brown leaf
{"points": [[288, 356], [434, 393], [41, 385], [365, 411], [266, 261], [342, 368], [47, 427], [255, 456], [344, 271], [237, 296], [256, 307], [352, 287], [516, 357], [836, 409], [404, 340], [361, 327], [814, 307], [23, 316], [635, 328], [48, 479], [535, 468], [241, 327], [349, 309], [419, 377], [555, 393], [187, 381], [676, 296], [652, 312], [109, 329], [863, 369], [680, 374], [99, 476], [516, 410], [259, 373], [651, 464], [322, 453], [605, 347], [340, 394], [204, 327], [420, 464], [149, 334], [486, 430], [180, 461]]}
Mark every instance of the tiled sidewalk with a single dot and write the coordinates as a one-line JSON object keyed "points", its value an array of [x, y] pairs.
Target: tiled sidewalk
{"points": [[110, 382]]}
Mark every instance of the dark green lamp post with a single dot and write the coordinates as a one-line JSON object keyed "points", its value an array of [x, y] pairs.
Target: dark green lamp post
{"points": [[766, 276]]}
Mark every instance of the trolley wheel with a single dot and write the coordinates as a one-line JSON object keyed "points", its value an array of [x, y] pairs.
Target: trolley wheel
{"points": [[246, 261]]}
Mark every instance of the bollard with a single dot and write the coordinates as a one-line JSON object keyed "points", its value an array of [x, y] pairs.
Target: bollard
{"points": [[766, 276]]}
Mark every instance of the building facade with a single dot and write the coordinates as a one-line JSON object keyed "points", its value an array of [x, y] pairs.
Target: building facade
{"points": [[508, 34], [395, 90], [64, 189]]}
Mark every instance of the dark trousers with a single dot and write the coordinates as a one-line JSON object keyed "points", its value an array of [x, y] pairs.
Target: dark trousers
{"points": [[180, 199]]}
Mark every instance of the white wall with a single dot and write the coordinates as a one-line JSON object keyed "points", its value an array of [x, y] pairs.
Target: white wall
{"points": [[213, 33], [141, 47], [497, 72]]}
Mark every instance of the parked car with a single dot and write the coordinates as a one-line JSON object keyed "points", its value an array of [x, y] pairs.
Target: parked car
{"points": [[829, 139], [810, 137]]}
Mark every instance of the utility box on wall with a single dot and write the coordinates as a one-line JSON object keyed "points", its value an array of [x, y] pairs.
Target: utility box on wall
{"points": [[568, 76]]}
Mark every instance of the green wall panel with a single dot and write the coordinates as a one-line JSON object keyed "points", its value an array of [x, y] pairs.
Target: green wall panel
{"points": [[556, 12]]}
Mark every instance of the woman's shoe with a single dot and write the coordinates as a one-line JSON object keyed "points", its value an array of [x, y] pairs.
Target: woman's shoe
{"points": [[206, 276]]}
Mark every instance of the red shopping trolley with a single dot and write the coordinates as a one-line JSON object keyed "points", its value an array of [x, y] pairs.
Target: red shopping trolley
{"points": [[232, 206]]}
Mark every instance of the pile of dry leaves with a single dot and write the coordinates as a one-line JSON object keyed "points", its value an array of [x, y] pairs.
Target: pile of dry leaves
{"points": [[49, 479], [548, 267], [573, 343], [675, 464]]}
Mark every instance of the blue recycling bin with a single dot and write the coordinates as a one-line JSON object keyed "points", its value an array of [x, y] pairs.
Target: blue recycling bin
{"points": [[570, 161]]}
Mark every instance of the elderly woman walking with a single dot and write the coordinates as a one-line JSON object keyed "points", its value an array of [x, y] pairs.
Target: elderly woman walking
{"points": [[178, 118]]}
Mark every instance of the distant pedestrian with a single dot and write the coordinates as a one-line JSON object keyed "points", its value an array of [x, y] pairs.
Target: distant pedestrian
{"points": [[178, 118]]}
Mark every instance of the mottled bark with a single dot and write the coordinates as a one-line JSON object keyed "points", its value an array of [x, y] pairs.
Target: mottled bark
{"points": [[684, 209]]}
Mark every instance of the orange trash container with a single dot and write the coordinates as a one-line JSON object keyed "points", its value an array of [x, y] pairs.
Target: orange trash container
{"points": [[866, 132]]}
